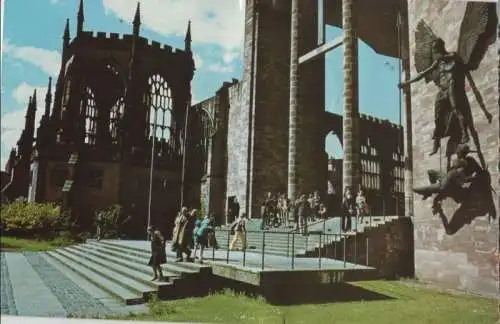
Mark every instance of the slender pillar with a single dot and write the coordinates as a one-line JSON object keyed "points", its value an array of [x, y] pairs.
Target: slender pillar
{"points": [[351, 111], [408, 144], [294, 102]]}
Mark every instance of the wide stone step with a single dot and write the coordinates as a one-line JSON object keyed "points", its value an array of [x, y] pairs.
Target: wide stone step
{"points": [[299, 243], [140, 260], [145, 254], [116, 290], [137, 271], [100, 268]]}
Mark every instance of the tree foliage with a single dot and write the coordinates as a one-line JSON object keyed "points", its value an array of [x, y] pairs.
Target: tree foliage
{"points": [[24, 219], [112, 221]]}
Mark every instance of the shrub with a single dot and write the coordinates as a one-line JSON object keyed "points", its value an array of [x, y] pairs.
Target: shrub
{"points": [[112, 221], [24, 219]]}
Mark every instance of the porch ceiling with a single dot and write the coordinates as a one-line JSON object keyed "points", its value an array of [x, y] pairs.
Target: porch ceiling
{"points": [[377, 23]]}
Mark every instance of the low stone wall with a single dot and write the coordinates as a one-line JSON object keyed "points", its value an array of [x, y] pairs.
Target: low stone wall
{"points": [[390, 249]]}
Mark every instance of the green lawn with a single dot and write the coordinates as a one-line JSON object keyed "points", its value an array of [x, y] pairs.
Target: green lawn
{"points": [[9, 243], [408, 304]]}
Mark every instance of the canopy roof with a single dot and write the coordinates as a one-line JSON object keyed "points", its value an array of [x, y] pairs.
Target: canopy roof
{"points": [[376, 23]]}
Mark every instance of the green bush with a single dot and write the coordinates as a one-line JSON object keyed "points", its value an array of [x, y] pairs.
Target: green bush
{"points": [[112, 221], [38, 220]]}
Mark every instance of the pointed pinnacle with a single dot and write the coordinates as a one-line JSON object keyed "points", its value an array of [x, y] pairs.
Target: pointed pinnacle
{"points": [[137, 17]]}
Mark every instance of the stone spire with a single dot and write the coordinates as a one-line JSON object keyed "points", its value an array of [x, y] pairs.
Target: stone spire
{"points": [[66, 36], [137, 19], [187, 39], [81, 19], [48, 98]]}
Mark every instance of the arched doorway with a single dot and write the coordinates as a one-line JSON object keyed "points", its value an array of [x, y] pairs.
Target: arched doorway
{"points": [[335, 153]]}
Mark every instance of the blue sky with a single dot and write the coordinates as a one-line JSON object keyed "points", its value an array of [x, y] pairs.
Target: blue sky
{"points": [[32, 39]]}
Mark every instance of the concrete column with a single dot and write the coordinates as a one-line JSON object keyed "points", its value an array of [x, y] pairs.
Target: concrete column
{"points": [[351, 112], [408, 144], [294, 102]]}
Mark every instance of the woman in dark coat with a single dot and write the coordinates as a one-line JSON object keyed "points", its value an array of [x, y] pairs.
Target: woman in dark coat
{"points": [[158, 254]]}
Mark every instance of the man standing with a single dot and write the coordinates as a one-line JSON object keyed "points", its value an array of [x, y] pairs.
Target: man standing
{"points": [[239, 227], [182, 234], [235, 209], [303, 210]]}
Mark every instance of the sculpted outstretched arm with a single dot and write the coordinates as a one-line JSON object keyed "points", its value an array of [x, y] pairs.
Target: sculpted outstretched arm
{"points": [[421, 75]]}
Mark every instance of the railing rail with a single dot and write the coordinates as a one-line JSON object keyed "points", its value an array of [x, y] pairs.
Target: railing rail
{"points": [[258, 246]]}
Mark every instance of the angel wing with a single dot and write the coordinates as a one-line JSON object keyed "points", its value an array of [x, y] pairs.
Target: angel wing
{"points": [[477, 32], [424, 40]]}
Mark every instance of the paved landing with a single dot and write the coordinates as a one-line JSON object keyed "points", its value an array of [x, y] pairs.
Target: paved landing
{"points": [[253, 259], [32, 285], [253, 269]]}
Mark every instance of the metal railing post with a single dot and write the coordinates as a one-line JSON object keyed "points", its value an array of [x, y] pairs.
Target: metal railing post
{"points": [[367, 245], [356, 248], [335, 246], [344, 238], [213, 245], [245, 250], [288, 244], [293, 250], [263, 247], [319, 250], [228, 239]]}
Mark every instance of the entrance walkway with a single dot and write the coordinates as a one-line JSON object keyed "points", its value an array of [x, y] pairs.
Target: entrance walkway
{"points": [[34, 285]]}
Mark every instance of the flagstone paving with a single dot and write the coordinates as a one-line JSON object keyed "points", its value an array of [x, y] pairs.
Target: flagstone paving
{"points": [[31, 285], [8, 305]]}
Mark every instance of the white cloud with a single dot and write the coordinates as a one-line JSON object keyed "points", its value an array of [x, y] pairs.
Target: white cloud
{"points": [[47, 60], [218, 22], [198, 61], [23, 91], [229, 57], [13, 121], [220, 68], [12, 126]]}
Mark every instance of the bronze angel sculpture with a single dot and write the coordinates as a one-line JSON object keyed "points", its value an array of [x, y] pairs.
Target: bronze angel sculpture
{"points": [[466, 182], [448, 70]]}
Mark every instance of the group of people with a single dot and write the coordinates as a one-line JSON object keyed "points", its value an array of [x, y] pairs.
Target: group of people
{"points": [[189, 232], [353, 206], [276, 209], [309, 208], [192, 232]]}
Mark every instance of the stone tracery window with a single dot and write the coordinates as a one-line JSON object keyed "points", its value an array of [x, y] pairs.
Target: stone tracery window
{"points": [[205, 137], [115, 115], [89, 104], [66, 96], [159, 100]]}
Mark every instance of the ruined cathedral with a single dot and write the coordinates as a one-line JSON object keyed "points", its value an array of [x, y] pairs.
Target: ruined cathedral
{"points": [[119, 98]]}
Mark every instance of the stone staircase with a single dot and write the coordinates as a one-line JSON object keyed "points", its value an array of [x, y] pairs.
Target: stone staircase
{"points": [[123, 271], [285, 241]]}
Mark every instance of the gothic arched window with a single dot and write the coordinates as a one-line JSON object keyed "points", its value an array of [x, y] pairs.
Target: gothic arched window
{"points": [[159, 103], [65, 98], [88, 103], [206, 126], [115, 115]]}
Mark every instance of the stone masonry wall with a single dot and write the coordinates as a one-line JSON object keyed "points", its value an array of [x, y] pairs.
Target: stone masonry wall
{"points": [[467, 259], [270, 133], [237, 146], [390, 249]]}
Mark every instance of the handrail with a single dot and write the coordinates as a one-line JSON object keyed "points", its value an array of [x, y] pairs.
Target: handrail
{"points": [[324, 246]]}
